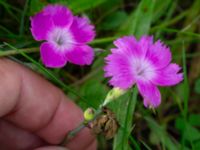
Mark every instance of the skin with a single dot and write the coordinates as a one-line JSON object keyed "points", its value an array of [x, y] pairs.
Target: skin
{"points": [[34, 114]]}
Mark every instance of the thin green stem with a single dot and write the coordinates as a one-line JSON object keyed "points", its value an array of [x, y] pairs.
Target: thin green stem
{"points": [[186, 96], [103, 40], [8, 9], [82, 125], [133, 141], [85, 123], [15, 52], [170, 22], [130, 109], [172, 30], [21, 29], [186, 89], [36, 49], [72, 133], [5, 30]]}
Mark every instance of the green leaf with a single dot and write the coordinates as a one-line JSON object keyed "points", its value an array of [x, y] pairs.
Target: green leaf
{"points": [[125, 109], [94, 92], [188, 131], [36, 6], [196, 145], [139, 21], [180, 124], [194, 119], [113, 21], [197, 86], [191, 133], [83, 5], [133, 141], [76, 6], [161, 8]]}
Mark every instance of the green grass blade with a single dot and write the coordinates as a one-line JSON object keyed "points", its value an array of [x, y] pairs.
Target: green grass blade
{"points": [[21, 29], [171, 30], [136, 145], [78, 6], [186, 85], [138, 23], [9, 8], [145, 145], [185, 96], [122, 137]]}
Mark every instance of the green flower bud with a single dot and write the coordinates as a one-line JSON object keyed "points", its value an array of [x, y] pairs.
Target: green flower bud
{"points": [[113, 94], [89, 114]]}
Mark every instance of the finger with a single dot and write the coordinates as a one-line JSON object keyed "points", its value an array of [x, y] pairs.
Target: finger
{"points": [[35, 105], [92, 146], [85, 141], [51, 148], [14, 138]]}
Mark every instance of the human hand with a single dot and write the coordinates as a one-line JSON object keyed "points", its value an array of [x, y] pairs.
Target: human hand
{"points": [[35, 114]]}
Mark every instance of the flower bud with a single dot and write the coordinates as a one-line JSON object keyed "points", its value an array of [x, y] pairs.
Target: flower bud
{"points": [[113, 94], [89, 114]]}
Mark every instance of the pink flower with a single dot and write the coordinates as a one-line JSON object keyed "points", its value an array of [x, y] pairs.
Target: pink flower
{"points": [[66, 36], [143, 63]]}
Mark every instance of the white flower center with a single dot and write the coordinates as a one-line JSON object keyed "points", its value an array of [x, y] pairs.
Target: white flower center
{"points": [[142, 69], [61, 38]]}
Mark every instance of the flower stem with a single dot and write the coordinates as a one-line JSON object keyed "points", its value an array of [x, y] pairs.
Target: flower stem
{"points": [[113, 94], [72, 133], [14, 51], [82, 125], [126, 121], [103, 40], [129, 113], [4, 53]]}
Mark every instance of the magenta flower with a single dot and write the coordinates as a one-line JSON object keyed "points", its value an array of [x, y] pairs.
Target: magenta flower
{"points": [[66, 36], [143, 63]]}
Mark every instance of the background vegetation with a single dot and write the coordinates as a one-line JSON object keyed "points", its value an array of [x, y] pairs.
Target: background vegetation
{"points": [[175, 124]]}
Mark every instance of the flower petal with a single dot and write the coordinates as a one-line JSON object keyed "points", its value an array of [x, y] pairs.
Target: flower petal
{"points": [[82, 30], [41, 24], [150, 93], [129, 45], [81, 55], [51, 57], [145, 42], [60, 14], [168, 76], [118, 67], [159, 54]]}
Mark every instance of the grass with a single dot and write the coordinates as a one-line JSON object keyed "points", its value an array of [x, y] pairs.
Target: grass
{"points": [[175, 22]]}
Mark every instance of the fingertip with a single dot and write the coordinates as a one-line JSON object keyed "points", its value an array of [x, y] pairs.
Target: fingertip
{"points": [[67, 117], [92, 146], [85, 139]]}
